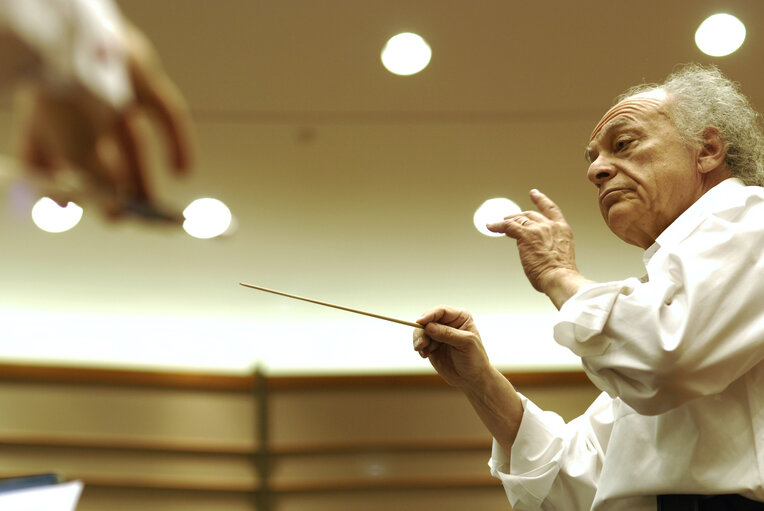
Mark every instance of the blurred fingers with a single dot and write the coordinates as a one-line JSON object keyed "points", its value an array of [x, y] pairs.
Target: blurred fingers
{"points": [[157, 94], [173, 118], [36, 158], [122, 158], [34, 153]]}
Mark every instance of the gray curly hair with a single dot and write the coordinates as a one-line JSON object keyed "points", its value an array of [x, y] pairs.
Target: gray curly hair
{"points": [[699, 97]]}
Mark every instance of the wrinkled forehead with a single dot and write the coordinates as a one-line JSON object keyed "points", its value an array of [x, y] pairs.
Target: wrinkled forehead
{"points": [[630, 108]]}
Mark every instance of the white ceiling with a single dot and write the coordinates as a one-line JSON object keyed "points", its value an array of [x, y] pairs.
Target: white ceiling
{"points": [[350, 184]]}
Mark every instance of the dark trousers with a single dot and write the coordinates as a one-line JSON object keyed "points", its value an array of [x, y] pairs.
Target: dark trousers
{"points": [[707, 503]]}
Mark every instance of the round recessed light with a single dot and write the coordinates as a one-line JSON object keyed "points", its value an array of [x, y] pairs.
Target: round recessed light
{"points": [[720, 35], [206, 218], [406, 54], [493, 210], [50, 217]]}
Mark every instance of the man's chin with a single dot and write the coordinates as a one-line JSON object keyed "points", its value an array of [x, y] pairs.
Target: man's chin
{"points": [[626, 228], [619, 217]]}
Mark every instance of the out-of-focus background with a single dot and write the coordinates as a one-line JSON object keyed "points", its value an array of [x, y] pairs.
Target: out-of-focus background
{"points": [[351, 185]]}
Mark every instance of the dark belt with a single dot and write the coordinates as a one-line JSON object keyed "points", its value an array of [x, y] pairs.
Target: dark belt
{"points": [[707, 503]]}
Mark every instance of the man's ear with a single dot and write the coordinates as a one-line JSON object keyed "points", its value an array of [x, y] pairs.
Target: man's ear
{"points": [[712, 151]]}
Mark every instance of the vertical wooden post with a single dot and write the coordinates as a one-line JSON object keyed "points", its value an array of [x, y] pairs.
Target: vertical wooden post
{"points": [[262, 455]]}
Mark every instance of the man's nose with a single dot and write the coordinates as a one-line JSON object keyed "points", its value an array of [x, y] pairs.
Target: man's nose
{"points": [[601, 170]]}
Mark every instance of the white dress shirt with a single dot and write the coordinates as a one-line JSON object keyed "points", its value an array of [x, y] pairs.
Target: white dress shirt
{"points": [[679, 355]]}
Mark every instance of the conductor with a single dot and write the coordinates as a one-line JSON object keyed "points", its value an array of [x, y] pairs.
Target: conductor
{"points": [[678, 353]]}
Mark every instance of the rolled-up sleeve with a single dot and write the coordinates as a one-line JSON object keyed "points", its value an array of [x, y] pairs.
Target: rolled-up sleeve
{"points": [[554, 465]]}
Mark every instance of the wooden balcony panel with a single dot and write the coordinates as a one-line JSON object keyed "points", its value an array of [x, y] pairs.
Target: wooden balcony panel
{"points": [[163, 469], [477, 443], [336, 415], [399, 469], [106, 497], [125, 377], [441, 498], [116, 443], [246, 383], [138, 414]]}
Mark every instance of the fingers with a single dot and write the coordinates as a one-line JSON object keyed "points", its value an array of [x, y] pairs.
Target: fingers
{"points": [[545, 205], [446, 315], [514, 225], [173, 118], [34, 153], [447, 334], [511, 225], [443, 325], [423, 344], [133, 158], [156, 93], [130, 169], [35, 157]]}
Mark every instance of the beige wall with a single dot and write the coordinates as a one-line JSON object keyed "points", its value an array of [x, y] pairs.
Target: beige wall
{"points": [[199, 442]]}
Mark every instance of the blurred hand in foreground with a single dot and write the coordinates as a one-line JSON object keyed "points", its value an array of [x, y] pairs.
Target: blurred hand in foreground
{"points": [[89, 150]]}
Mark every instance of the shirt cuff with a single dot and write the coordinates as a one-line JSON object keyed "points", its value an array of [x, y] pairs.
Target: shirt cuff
{"points": [[528, 475]]}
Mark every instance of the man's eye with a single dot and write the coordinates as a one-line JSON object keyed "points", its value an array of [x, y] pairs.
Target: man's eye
{"points": [[622, 143]]}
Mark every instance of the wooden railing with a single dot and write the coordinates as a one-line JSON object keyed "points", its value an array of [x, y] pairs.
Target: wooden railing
{"points": [[204, 441]]}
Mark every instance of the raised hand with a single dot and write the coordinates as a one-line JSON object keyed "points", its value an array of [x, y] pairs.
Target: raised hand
{"points": [[545, 243]]}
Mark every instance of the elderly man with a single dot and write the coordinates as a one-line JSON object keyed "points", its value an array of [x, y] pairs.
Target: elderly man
{"points": [[678, 353]]}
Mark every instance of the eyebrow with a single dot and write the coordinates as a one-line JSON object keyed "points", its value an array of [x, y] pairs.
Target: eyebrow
{"points": [[604, 131]]}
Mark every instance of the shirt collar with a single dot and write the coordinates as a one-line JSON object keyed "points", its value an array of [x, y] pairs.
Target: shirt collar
{"points": [[708, 203]]}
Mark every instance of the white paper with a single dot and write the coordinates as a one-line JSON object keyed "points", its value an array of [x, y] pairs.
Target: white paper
{"points": [[55, 497]]}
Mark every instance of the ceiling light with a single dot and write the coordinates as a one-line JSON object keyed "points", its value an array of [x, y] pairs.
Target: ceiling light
{"points": [[50, 217], [206, 218], [720, 35], [406, 54], [493, 210]]}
